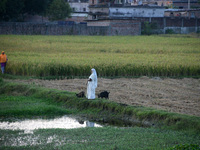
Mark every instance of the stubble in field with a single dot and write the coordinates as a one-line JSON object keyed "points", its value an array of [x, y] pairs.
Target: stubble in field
{"points": [[173, 95]]}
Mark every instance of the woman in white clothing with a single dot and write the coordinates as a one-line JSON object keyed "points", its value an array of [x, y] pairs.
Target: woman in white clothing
{"points": [[92, 84]]}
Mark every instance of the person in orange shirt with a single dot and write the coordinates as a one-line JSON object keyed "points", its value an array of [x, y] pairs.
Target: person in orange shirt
{"points": [[3, 61]]}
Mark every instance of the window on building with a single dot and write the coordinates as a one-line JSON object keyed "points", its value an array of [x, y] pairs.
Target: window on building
{"points": [[192, 15], [94, 17], [84, 9]]}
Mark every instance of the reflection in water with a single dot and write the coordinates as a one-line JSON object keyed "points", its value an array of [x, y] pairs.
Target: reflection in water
{"points": [[89, 124], [63, 122]]}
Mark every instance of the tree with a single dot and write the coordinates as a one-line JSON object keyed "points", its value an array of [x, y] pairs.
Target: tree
{"points": [[2, 9], [38, 7], [58, 10], [13, 10]]}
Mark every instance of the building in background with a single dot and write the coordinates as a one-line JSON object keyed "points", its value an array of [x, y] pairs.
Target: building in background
{"points": [[80, 9], [166, 3], [182, 13], [118, 9], [186, 4]]}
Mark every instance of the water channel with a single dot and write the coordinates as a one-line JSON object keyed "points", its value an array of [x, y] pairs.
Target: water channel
{"points": [[27, 126], [63, 122]]}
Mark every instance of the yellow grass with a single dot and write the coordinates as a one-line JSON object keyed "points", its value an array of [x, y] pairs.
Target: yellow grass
{"points": [[110, 55]]}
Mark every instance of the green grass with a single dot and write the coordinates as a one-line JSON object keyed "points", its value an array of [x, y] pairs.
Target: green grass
{"points": [[24, 107], [111, 56], [98, 138]]}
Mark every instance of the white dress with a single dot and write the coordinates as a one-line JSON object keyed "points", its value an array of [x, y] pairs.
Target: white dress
{"points": [[92, 85]]}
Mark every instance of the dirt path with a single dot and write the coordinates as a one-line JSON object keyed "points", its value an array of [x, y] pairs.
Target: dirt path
{"points": [[173, 95]]}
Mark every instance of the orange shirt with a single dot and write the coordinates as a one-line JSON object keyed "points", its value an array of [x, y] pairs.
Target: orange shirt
{"points": [[3, 58]]}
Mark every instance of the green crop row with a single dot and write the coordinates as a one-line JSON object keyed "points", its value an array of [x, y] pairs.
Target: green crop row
{"points": [[28, 69], [110, 56]]}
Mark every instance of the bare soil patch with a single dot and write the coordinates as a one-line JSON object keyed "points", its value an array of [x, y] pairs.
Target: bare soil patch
{"points": [[173, 95]]}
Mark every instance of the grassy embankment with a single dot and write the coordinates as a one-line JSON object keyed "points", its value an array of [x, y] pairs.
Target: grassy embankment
{"points": [[102, 110], [24, 101], [110, 56]]}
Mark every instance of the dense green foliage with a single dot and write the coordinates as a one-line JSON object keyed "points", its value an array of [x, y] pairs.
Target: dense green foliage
{"points": [[12, 10], [36, 6], [58, 10], [172, 55], [147, 28], [169, 31], [15, 10]]}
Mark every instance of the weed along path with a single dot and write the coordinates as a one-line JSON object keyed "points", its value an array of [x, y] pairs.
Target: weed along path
{"points": [[173, 95]]}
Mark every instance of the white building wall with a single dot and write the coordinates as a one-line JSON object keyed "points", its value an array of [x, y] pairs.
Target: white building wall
{"points": [[136, 12], [79, 7]]}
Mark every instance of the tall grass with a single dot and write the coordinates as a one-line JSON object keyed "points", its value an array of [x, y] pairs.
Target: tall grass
{"points": [[111, 56]]}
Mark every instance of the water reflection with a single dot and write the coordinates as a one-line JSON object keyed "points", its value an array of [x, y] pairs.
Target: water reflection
{"points": [[64, 122], [89, 124]]}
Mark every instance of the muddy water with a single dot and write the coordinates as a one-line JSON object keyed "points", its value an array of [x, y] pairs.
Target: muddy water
{"points": [[64, 122]]}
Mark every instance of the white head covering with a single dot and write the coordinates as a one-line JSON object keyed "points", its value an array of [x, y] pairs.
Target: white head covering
{"points": [[94, 76]]}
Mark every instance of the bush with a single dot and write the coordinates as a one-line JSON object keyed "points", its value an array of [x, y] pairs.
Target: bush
{"points": [[1, 80], [147, 28], [169, 31]]}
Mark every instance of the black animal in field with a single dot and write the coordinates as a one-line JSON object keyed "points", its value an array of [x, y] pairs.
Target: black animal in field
{"points": [[81, 94], [104, 94]]}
